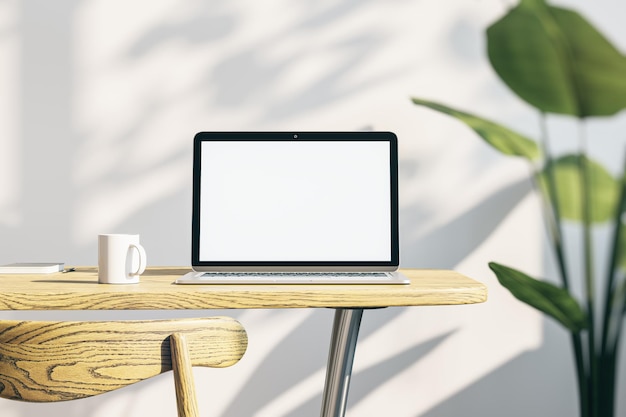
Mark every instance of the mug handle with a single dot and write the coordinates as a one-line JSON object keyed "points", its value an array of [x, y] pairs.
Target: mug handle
{"points": [[142, 259]]}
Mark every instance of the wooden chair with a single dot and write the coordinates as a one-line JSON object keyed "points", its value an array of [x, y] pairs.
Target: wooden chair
{"points": [[46, 361]]}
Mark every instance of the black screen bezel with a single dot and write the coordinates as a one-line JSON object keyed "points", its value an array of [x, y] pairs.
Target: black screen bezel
{"points": [[388, 137]]}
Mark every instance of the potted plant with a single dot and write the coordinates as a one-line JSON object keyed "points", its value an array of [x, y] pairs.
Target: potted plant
{"points": [[557, 62]]}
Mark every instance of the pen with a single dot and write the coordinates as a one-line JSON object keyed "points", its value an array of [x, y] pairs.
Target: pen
{"points": [[69, 270]]}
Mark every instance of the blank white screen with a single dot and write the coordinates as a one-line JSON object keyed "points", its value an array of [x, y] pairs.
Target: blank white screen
{"points": [[296, 201]]}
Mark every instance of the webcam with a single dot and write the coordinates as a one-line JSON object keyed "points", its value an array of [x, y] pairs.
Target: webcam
{"points": [[295, 136]]}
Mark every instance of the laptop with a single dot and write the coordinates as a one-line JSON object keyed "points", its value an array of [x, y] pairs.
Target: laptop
{"points": [[295, 208]]}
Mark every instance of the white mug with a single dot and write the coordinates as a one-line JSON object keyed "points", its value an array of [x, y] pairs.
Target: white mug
{"points": [[121, 259]]}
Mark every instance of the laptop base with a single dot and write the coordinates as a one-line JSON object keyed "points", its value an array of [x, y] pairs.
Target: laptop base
{"points": [[307, 278]]}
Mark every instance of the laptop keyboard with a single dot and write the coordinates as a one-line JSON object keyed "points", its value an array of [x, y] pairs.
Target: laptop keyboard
{"points": [[297, 276]]}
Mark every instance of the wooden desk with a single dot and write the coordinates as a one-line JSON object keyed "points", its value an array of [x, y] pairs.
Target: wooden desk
{"points": [[80, 290]]}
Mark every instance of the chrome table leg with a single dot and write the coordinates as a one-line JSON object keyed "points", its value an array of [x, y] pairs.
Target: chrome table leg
{"points": [[340, 358]]}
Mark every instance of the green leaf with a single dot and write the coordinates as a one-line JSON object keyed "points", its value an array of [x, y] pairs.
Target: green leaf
{"points": [[603, 188], [545, 297], [557, 61], [503, 139]]}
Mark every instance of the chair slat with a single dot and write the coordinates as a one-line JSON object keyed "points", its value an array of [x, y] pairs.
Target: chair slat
{"points": [[57, 361]]}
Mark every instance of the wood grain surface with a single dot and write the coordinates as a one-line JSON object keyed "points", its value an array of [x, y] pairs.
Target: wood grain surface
{"points": [[46, 361], [80, 290]]}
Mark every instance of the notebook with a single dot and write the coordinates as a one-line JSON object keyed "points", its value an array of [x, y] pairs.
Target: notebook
{"points": [[295, 208]]}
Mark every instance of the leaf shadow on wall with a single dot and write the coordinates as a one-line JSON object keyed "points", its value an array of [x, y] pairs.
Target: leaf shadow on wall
{"points": [[50, 137], [310, 339]]}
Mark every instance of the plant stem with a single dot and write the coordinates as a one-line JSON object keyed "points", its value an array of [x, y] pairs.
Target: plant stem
{"points": [[614, 305], [614, 261], [554, 214], [555, 231], [589, 275], [609, 358]]}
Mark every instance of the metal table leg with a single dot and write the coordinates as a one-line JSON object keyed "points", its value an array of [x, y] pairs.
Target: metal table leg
{"points": [[340, 359]]}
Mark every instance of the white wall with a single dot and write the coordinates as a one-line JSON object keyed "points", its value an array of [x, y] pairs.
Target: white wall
{"points": [[100, 99]]}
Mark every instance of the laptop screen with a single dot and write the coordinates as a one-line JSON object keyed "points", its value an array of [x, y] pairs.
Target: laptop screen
{"points": [[285, 199]]}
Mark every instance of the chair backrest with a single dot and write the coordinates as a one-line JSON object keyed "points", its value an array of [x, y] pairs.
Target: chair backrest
{"points": [[45, 361]]}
